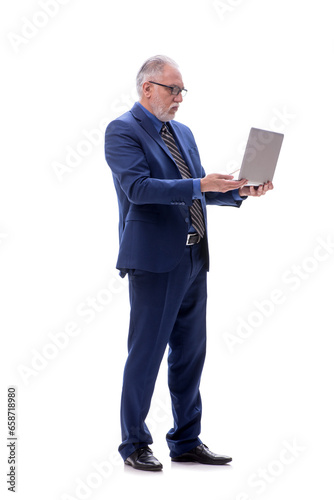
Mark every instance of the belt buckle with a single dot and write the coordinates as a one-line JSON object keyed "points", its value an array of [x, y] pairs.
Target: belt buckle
{"points": [[192, 239]]}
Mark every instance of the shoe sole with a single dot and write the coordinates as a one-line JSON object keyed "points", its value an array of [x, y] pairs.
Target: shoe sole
{"points": [[185, 459]]}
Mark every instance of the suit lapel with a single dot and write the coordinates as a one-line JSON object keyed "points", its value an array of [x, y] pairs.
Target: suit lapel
{"points": [[148, 126]]}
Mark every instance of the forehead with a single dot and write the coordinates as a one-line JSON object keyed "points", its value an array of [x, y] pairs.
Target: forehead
{"points": [[172, 76]]}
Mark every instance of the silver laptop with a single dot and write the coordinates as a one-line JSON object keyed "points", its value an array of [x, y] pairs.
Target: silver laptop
{"points": [[261, 156]]}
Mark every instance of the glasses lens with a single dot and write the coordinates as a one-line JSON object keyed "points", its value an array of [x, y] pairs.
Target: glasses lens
{"points": [[176, 91]]}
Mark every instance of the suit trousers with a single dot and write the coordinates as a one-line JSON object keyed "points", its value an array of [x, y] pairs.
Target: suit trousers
{"points": [[166, 309]]}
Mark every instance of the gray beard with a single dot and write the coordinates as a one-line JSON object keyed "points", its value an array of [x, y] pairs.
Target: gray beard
{"points": [[160, 112]]}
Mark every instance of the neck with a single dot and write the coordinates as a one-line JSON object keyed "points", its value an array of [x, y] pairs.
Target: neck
{"points": [[145, 103]]}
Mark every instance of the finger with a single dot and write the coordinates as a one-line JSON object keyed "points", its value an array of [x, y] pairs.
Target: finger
{"points": [[235, 184], [268, 186], [226, 177], [223, 176], [258, 190], [239, 184], [227, 185]]}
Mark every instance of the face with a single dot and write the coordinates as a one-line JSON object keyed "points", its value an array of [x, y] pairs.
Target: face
{"points": [[158, 99]]}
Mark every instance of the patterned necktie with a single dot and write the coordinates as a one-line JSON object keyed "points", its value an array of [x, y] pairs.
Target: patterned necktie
{"points": [[196, 212]]}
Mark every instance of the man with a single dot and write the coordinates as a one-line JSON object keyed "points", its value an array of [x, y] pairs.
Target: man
{"points": [[162, 194]]}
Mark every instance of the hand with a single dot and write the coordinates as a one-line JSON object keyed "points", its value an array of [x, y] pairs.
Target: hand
{"points": [[221, 183], [256, 190]]}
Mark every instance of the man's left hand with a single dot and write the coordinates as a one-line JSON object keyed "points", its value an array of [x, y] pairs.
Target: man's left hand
{"points": [[256, 190]]}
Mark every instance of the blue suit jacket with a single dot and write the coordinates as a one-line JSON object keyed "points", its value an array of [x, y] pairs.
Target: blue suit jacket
{"points": [[153, 199]]}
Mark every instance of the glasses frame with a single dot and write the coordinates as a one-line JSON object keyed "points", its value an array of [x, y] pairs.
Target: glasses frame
{"points": [[183, 91]]}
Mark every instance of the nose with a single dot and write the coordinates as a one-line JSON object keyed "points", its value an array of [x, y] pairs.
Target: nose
{"points": [[178, 98]]}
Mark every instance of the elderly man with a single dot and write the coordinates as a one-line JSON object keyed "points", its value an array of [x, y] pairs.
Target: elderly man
{"points": [[162, 195]]}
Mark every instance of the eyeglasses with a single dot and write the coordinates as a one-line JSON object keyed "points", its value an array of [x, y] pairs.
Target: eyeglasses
{"points": [[173, 90]]}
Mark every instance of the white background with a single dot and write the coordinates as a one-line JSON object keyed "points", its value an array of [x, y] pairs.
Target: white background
{"points": [[267, 383]]}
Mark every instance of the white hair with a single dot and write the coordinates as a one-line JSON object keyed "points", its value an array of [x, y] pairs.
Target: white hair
{"points": [[151, 68]]}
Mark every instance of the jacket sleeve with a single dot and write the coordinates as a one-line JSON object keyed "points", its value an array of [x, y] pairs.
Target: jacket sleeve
{"points": [[126, 158], [231, 198]]}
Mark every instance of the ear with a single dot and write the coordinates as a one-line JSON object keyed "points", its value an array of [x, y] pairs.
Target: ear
{"points": [[147, 89]]}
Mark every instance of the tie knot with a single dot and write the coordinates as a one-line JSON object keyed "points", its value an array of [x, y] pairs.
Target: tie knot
{"points": [[164, 128]]}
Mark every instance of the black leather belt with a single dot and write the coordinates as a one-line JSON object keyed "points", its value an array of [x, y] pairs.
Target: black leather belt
{"points": [[193, 238]]}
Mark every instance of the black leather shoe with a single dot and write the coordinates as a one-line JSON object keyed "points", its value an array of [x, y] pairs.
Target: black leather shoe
{"points": [[143, 459], [203, 455]]}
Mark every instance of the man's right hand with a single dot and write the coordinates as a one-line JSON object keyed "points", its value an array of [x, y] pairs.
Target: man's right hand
{"points": [[220, 183]]}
